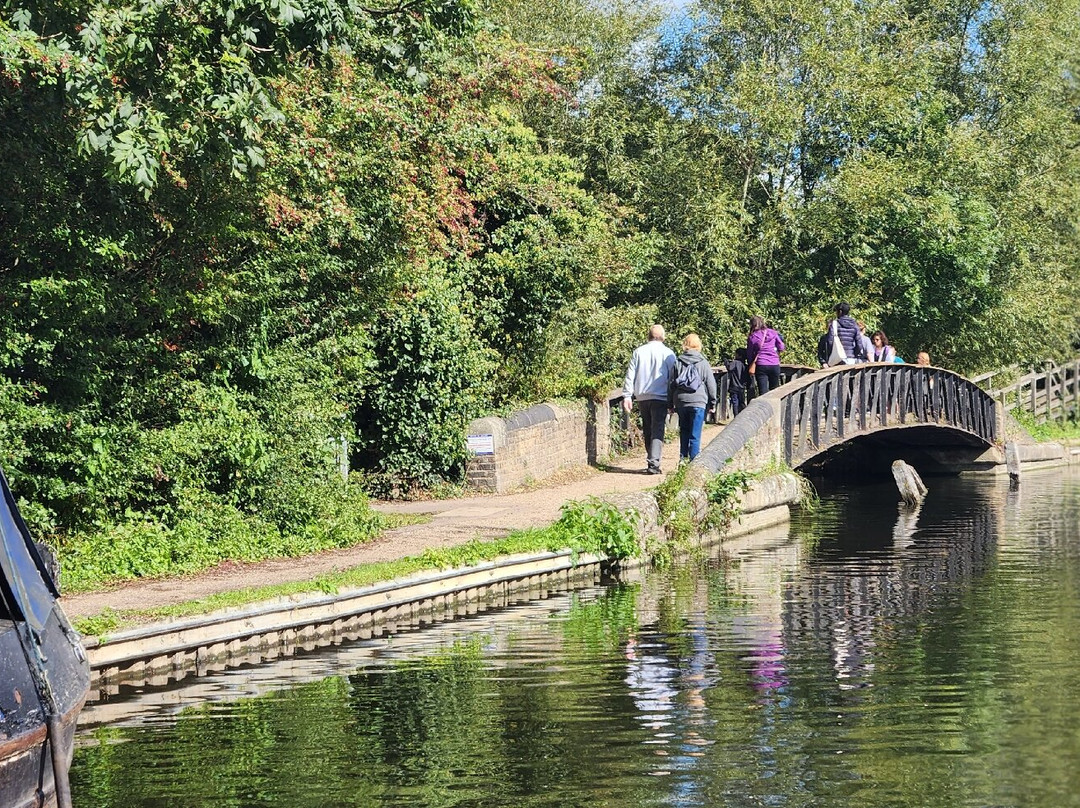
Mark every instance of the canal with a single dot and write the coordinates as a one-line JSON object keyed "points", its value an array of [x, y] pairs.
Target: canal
{"points": [[864, 655]]}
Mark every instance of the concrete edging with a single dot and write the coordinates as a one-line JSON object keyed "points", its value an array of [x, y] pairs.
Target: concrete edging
{"points": [[171, 650]]}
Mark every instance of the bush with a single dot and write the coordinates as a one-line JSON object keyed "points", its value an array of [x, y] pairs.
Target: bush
{"points": [[431, 379]]}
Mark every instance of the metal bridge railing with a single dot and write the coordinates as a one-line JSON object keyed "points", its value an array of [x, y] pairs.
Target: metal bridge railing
{"points": [[833, 406]]}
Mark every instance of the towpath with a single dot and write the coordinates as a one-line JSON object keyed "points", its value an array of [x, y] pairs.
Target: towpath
{"points": [[453, 521]]}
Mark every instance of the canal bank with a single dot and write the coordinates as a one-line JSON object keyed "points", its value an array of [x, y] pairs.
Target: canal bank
{"points": [[167, 650], [860, 655]]}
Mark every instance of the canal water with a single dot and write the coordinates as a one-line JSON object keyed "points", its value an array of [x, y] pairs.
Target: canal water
{"points": [[864, 655]]}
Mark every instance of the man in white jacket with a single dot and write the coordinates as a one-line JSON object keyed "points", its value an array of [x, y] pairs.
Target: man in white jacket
{"points": [[647, 382]]}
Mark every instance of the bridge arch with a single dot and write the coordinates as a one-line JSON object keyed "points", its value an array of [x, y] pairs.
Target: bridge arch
{"points": [[818, 412]]}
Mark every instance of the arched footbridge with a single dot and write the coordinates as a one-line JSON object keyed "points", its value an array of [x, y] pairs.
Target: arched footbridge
{"points": [[932, 417]]}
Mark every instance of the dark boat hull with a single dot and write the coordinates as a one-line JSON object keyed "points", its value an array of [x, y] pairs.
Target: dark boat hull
{"points": [[27, 765]]}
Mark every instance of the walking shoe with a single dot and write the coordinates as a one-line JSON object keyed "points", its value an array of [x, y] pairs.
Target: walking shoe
{"points": [[653, 470]]}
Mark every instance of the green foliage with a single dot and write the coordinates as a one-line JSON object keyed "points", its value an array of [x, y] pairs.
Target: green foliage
{"points": [[591, 526], [155, 86], [605, 623], [676, 515], [668, 492], [1063, 429], [722, 492], [98, 625], [587, 348], [432, 374], [597, 527]]}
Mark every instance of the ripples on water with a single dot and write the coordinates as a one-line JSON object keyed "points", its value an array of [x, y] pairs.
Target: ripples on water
{"points": [[865, 655]]}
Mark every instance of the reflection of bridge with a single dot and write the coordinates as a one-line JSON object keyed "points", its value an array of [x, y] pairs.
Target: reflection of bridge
{"points": [[907, 408]]}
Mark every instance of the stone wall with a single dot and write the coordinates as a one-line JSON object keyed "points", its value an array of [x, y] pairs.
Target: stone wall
{"points": [[536, 443]]}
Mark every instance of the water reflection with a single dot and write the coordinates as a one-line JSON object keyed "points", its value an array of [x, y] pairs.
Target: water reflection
{"points": [[867, 655], [881, 578]]}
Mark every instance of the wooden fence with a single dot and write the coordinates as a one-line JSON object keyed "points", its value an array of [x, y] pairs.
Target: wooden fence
{"points": [[1050, 393]]}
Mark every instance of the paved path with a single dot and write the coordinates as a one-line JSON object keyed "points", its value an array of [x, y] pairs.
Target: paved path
{"points": [[454, 521]]}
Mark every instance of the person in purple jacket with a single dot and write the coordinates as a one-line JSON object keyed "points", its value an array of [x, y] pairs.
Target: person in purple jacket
{"points": [[763, 347]]}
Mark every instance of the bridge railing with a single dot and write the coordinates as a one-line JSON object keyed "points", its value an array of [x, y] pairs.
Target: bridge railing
{"points": [[1052, 392], [723, 387], [835, 405]]}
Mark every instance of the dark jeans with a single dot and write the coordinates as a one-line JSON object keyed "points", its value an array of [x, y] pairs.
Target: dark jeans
{"points": [[737, 399], [768, 378], [653, 420], [691, 420]]}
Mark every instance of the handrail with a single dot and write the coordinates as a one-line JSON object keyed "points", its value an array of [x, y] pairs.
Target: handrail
{"points": [[818, 411], [723, 412], [1053, 392], [990, 374], [834, 406]]}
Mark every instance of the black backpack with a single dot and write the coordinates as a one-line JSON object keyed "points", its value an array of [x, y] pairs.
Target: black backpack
{"points": [[688, 379]]}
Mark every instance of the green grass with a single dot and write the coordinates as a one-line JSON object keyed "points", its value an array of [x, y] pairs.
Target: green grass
{"points": [[591, 526], [1051, 430]]}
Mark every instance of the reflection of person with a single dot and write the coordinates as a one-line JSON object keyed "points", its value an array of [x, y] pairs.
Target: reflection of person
{"points": [[691, 405], [651, 678], [923, 359], [763, 347], [647, 382]]}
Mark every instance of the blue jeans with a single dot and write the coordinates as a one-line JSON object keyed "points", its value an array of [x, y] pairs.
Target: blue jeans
{"points": [[691, 420]]}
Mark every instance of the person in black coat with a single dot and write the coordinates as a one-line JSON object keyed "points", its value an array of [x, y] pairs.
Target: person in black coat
{"points": [[738, 381], [847, 331]]}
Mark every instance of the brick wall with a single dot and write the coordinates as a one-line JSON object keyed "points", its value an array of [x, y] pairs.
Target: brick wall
{"points": [[536, 443]]}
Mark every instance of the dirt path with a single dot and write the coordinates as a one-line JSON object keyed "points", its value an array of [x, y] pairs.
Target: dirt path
{"points": [[454, 521]]}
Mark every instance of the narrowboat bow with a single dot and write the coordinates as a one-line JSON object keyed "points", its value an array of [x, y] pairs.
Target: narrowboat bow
{"points": [[44, 674]]}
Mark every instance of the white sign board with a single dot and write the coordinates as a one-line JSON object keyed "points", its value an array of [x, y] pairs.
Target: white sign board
{"points": [[480, 444]]}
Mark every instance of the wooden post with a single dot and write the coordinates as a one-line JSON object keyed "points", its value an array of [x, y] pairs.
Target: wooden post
{"points": [[1048, 387], [1012, 462], [908, 481]]}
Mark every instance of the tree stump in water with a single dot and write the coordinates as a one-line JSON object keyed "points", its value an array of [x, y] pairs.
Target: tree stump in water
{"points": [[908, 481], [1012, 463]]}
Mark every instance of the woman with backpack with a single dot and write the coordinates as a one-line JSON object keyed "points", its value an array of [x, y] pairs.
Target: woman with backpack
{"points": [[763, 347], [691, 394]]}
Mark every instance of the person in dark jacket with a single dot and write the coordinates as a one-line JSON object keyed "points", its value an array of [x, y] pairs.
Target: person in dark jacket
{"points": [[824, 343], [691, 401], [738, 381], [847, 331]]}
